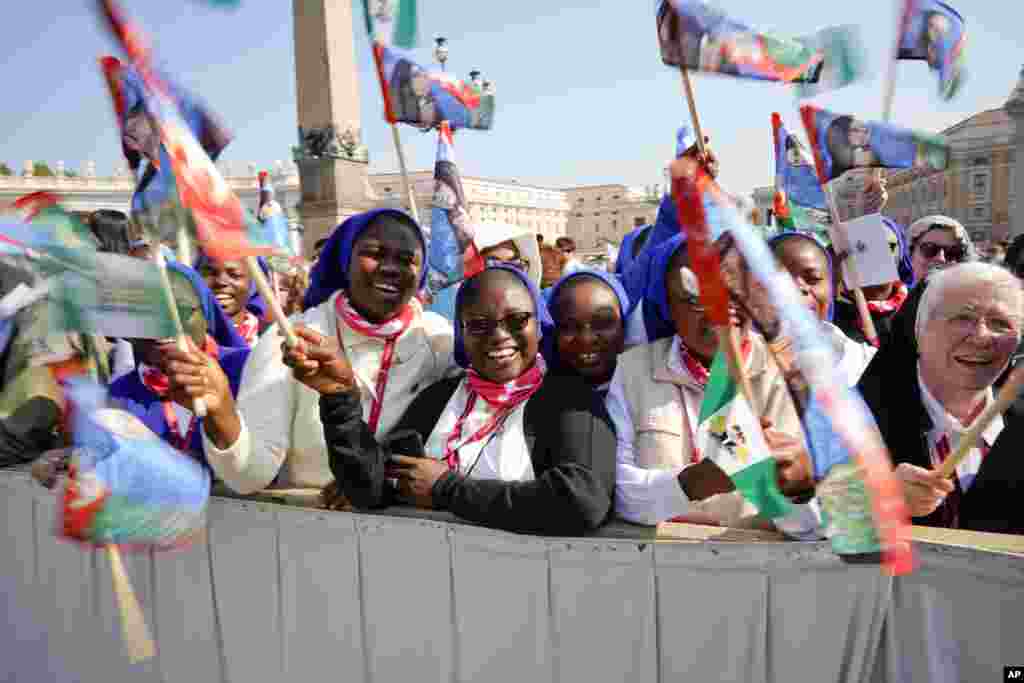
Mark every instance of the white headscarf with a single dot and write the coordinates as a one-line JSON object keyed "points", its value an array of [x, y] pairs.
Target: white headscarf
{"points": [[492, 234]]}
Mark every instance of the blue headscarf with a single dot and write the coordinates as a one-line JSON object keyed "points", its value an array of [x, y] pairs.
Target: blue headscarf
{"points": [[330, 273], [611, 281], [544, 320], [218, 325], [813, 239], [635, 276], [904, 267], [656, 311], [255, 304]]}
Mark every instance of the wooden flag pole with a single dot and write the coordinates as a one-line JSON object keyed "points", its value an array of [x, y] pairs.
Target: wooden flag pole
{"points": [[1007, 395], [849, 267], [133, 624], [165, 281], [410, 197], [263, 287], [728, 336]]}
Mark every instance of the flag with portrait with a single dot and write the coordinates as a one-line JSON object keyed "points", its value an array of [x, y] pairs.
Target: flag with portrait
{"points": [[841, 142], [934, 32]]}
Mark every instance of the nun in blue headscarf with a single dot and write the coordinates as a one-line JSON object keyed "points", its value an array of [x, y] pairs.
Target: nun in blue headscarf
{"points": [[236, 293], [507, 445], [146, 392], [361, 308], [589, 308], [809, 263]]}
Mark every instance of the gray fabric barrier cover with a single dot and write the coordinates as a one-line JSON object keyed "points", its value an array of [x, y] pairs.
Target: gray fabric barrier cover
{"points": [[280, 592]]}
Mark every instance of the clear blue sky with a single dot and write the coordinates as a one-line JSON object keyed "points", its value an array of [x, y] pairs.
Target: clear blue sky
{"points": [[582, 95]]}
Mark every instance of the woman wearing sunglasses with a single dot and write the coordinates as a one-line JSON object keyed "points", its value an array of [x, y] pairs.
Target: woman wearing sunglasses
{"points": [[506, 445], [937, 242]]}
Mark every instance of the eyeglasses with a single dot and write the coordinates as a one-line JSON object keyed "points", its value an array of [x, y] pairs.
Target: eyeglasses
{"points": [[513, 323], [955, 253], [966, 322], [518, 264]]}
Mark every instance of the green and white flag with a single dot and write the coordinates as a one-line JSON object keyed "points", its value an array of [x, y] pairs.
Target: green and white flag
{"points": [[391, 22], [730, 435], [109, 295]]}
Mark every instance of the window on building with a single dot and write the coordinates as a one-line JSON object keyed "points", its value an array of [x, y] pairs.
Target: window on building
{"points": [[615, 197], [387, 190], [638, 221], [615, 226], [979, 161], [980, 186], [579, 215]]}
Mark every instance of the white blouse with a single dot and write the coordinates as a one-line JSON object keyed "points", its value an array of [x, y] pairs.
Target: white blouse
{"points": [[281, 429], [503, 454]]}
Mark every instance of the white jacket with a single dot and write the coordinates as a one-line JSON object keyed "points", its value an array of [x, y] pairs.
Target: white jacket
{"points": [[281, 429]]}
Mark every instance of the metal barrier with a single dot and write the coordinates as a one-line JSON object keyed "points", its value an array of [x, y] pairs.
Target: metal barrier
{"points": [[287, 593]]}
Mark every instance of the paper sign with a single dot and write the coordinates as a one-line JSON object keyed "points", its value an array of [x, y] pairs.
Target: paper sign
{"points": [[868, 240]]}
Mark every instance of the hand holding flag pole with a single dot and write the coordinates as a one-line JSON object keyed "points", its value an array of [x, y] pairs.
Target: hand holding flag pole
{"points": [[257, 275], [728, 335], [165, 282]]}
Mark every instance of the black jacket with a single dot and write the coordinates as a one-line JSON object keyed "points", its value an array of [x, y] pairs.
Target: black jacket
{"points": [[890, 388], [847, 319], [572, 446]]}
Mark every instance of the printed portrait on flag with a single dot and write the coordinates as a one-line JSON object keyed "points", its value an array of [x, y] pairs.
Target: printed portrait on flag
{"points": [[450, 198], [841, 142], [699, 37], [934, 32], [424, 98]]}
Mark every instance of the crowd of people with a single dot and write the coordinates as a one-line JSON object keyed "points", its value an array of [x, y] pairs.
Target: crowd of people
{"points": [[553, 397]]}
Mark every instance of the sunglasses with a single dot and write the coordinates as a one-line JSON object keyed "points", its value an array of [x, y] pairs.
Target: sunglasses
{"points": [[485, 327], [954, 253], [518, 264]]}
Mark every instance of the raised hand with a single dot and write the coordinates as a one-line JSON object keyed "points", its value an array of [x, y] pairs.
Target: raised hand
{"points": [[320, 363], [194, 375]]}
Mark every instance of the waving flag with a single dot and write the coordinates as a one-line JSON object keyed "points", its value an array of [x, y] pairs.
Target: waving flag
{"points": [[125, 485], [391, 22], [794, 170], [841, 142], [451, 255], [829, 407], [730, 435], [110, 295], [702, 219], [222, 228], [845, 63], [694, 35], [934, 32], [423, 98]]}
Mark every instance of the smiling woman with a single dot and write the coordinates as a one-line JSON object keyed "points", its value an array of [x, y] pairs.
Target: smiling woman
{"points": [[362, 333], [507, 445]]}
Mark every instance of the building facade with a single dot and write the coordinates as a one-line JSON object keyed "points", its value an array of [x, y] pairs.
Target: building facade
{"points": [[592, 215], [603, 214]]}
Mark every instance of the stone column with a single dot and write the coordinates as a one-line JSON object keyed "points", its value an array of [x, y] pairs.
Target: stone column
{"points": [[333, 164], [1015, 108]]}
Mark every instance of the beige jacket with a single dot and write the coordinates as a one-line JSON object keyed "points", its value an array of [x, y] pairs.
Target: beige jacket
{"points": [[281, 429], [656, 412]]}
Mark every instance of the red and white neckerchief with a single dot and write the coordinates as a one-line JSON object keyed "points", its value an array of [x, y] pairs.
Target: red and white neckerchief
{"points": [[503, 397], [157, 382], [893, 303], [389, 331], [248, 327]]}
